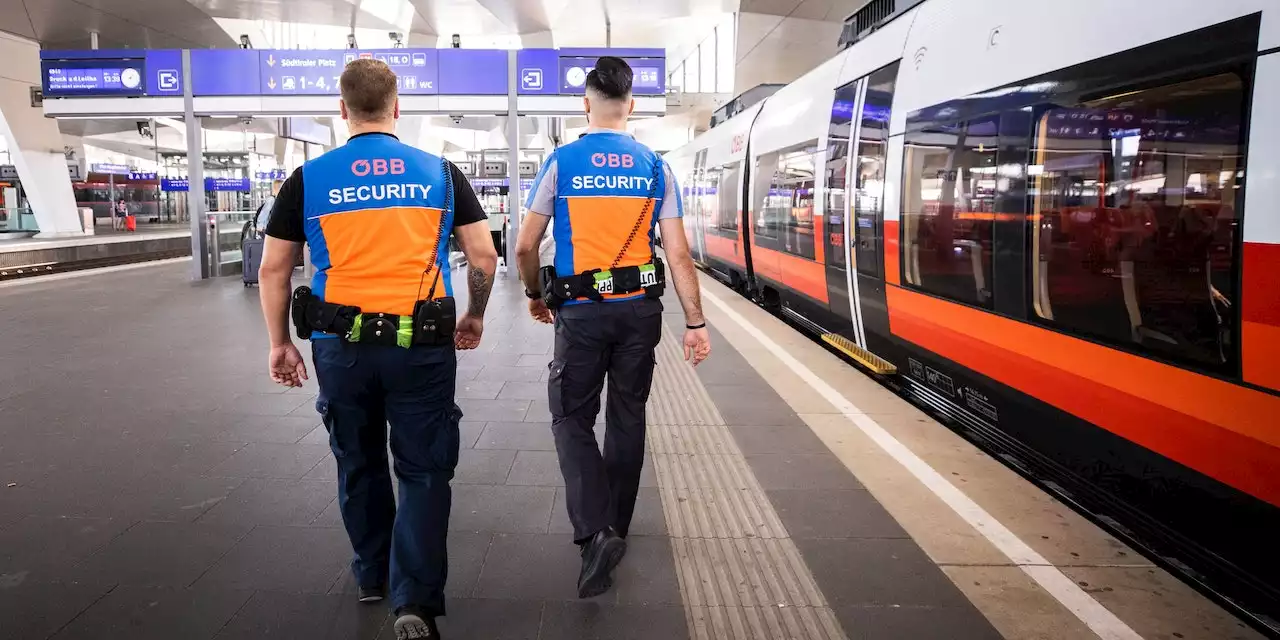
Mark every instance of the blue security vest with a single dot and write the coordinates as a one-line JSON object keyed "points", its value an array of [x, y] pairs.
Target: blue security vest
{"points": [[374, 209], [603, 181]]}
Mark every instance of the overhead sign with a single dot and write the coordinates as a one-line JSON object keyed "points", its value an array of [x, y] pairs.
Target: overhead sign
{"points": [[111, 169], [227, 184], [111, 73], [253, 72], [306, 130], [175, 184], [142, 175], [316, 72]]}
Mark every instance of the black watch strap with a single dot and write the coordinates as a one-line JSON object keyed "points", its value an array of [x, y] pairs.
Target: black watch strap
{"points": [[532, 295], [695, 326]]}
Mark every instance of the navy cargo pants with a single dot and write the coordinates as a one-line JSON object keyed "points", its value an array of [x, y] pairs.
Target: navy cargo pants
{"points": [[363, 387], [614, 339]]}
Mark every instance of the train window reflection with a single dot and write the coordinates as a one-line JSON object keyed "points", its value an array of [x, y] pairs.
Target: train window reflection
{"points": [[949, 210], [1137, 201], [788, 207]]}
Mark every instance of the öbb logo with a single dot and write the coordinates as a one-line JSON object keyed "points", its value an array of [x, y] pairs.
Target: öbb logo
{"points": [[624, 160], [377, 166]]}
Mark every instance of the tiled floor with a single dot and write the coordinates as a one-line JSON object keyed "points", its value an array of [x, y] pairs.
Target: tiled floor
{"points": [[155, 484]]}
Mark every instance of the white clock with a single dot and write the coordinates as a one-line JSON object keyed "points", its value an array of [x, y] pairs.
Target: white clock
{"points": [[576, 76], [130, 78]]}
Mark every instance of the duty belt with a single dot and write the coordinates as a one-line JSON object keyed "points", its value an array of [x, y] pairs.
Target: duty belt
{"points": [[595, 284], [431, 324]]}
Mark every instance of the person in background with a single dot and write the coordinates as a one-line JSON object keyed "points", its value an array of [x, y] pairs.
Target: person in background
{"points": [[607, 195], [118, 215], [377, 214]]}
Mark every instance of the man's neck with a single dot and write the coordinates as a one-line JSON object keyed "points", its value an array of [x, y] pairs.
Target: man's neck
{"points": [[619, 126], [355, 129]]}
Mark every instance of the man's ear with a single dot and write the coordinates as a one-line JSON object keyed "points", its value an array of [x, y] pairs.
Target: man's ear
{"points": [[586, 105], [632, 108], [342, 108], [396, 115]]}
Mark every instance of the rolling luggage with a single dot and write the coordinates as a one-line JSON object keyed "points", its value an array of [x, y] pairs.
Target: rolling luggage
{"points": [[251, 259], [131, 223]]}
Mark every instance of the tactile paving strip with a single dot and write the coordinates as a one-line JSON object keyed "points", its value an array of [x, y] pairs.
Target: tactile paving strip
{"points": [[741, 576]]}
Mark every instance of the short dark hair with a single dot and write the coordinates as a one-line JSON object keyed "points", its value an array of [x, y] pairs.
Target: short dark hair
{"points": [[611, 78], [368, 89]]}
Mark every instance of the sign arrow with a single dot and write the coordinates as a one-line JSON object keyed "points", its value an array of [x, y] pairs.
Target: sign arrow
{"points": [[271, 60], [271, 83]]}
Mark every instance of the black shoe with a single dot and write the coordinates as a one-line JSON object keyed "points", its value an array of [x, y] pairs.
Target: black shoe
{"points": [[372, 594], [600, 555], [413, 624]]}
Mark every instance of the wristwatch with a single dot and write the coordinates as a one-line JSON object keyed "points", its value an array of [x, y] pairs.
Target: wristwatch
{"points": [[532, 295]]}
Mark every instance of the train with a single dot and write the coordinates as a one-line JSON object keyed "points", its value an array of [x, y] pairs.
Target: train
{"points": [[1030, 217]]}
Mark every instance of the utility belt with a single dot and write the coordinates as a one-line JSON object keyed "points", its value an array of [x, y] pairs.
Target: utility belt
{"points": [[595, 284], [432, 322]]}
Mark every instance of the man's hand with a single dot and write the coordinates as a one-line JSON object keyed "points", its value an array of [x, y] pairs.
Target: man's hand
{"points": [[697, 345], [539, 311], [286, 365], [467, 333]]}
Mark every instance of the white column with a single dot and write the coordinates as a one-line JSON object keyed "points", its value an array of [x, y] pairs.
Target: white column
{"points": [[35, 144]]}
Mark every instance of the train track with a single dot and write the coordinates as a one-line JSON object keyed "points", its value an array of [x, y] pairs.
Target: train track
{"points": [[51, 268]]}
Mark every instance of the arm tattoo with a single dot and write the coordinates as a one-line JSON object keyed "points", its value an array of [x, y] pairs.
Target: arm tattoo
{"points": [[480, 285]]}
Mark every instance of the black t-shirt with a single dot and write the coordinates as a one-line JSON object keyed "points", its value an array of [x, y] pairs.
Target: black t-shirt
{"points": [[286, 222]]}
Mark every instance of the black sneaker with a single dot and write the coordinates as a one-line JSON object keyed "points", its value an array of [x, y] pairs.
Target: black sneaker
{"points": [[413, 624], [372, 594], [600, 555]]}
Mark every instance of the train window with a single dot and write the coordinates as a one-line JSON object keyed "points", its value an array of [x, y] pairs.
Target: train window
{"points": [[873, 146], [1137, 198], [787, 215], [949, 209], [728, 189]]}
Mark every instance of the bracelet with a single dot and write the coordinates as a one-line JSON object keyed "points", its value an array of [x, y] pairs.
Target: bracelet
{"points": [[695, 326]]}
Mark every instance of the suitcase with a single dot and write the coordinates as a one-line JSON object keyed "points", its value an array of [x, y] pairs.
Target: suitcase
{"points": [[251, 260], [131, 223]]}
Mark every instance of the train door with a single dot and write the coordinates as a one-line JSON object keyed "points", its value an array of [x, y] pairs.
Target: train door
{"points": [[839, 170], [868, 163], [698, 197]]}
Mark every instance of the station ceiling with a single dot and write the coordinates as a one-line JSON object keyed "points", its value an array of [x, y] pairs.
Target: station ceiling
{"points": [[313, 23]]}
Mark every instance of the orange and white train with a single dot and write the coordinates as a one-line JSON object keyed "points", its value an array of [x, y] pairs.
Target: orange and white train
{"points": [[1057, 224]]}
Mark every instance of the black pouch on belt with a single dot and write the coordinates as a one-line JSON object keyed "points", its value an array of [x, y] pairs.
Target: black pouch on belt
{"points": [[434, 321]]}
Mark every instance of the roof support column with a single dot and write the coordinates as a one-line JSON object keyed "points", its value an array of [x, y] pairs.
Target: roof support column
{"points": [[35, 143], [195, 177], [513, 164]]}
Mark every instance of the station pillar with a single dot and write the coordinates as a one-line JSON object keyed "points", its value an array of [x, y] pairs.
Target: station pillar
{"points": [[35, 143]]}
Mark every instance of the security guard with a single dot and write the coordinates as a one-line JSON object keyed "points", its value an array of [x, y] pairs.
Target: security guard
{"points": [[607, 195], [377, 215]]}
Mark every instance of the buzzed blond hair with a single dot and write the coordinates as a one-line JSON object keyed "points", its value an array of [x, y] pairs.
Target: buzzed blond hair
{"points": [[368, 90]]}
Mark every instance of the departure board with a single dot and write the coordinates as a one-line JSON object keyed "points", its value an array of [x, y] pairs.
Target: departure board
{"points": [[95, 77]]}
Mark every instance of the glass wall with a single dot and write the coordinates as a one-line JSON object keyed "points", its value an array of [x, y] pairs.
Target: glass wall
{"points": [[709, 66]]}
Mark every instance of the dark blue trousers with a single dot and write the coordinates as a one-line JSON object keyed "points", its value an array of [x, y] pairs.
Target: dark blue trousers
{"points": [[364, 387]]}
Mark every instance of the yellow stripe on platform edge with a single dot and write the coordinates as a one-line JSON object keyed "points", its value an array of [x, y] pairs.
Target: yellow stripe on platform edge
{"points": [[867, 359]]}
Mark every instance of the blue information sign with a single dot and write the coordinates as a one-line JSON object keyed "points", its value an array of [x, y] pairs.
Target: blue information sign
{"points": [[175, 184], [227, 184], [142, 175], [648, 74], [250, 72], [316, 72], [114, 169], [274, 174]]}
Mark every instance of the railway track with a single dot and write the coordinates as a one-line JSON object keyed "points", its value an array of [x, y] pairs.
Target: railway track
{"points": [[51, 268]]}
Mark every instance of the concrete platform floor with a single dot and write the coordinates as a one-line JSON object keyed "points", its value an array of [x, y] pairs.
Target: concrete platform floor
{"points": [[155, 484]]}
